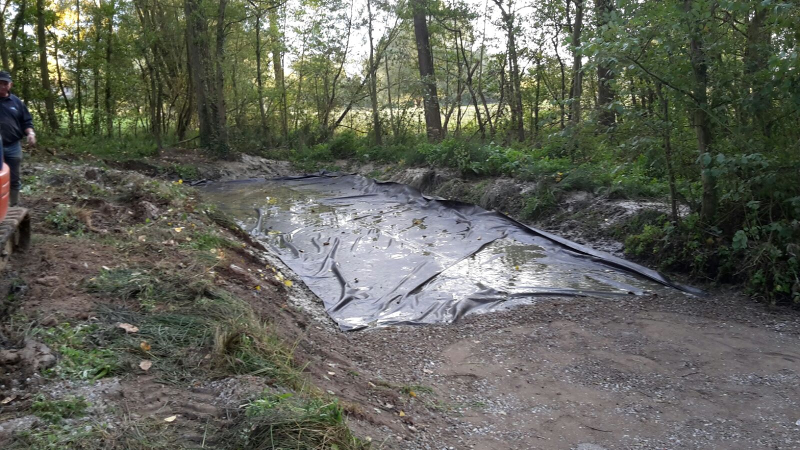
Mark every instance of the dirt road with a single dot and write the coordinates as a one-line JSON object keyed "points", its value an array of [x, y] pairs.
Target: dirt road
{"points": [[676, 372]]}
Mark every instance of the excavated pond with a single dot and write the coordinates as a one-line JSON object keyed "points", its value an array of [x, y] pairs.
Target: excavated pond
{"points": [[382, 253]]}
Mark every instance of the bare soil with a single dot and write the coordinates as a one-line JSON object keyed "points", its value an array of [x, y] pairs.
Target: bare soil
{"points": [[718, 372]]}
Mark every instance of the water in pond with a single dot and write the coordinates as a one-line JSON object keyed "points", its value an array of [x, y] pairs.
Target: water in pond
{"points": [[381, 253]]}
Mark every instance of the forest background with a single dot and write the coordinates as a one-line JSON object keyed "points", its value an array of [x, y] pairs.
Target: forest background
{"points": [[695, 101]]}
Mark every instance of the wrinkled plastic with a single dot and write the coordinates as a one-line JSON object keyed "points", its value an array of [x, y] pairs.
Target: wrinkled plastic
{"points": [[382, 253]]}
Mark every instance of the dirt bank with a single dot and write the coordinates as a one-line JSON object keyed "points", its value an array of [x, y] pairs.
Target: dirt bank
{"points": [[655, 372]]}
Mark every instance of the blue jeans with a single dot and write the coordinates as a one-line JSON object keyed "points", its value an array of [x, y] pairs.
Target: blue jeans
{"points": [[12, 155]]}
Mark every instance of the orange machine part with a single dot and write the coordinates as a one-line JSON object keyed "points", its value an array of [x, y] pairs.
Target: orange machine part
{"points": [[5, 188]]}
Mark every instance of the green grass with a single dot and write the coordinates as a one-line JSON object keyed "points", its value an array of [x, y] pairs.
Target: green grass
{"points": [[55, 411], [65, 219], [82, 354], [149, 286], [288, 421]]}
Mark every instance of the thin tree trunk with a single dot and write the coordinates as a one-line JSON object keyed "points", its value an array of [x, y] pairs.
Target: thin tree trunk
{"points": [[433, 118], [515, 97], [395, 128], [373, 81], [562, 97], [700, 115], [67, 103], [19, 21], [79, 67], [577, 65], [259, 77], [96, 75], [673, 190], [109, 99], [3, 43], [605, 93], [221, 126], [41, 35], [277, 64]]}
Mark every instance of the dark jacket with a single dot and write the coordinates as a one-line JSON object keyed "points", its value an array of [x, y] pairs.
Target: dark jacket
{"points": [[14, 119]]}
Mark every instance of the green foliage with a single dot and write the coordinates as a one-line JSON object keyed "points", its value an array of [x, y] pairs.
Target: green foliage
{"points": [[54, 411], [149, 287], [65, 220], [291, 421], [208, 240], [123, 148], [184, 171], [82, 353]]}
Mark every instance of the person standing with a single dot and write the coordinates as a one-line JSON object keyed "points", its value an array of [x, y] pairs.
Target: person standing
{"points": [[15, 123]]}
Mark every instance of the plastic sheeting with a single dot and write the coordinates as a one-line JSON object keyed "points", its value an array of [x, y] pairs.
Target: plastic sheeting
{"points": [[382, 253]]}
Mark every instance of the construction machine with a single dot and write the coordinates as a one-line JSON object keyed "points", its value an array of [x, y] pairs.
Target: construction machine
{"points": [[15, 222]]}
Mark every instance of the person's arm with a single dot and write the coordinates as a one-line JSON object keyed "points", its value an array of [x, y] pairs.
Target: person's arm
{"points": [[31, 136], [27, 124]]}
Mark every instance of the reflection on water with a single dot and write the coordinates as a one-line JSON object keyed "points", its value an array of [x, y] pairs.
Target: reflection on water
{"points": [[376, 258]]}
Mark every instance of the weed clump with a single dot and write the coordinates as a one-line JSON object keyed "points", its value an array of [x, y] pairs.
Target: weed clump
{"points": [[291, 421]]}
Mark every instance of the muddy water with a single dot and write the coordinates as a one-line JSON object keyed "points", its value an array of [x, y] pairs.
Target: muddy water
{"points": [[380, 253]]}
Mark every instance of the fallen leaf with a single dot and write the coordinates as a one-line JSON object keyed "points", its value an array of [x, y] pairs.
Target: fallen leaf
{"points": [[402, 414], [8, 400], [128, 327], [145, 346], [332, 373], [178, 229], [170, 419], [288, 283], [412, 393], [258, 288], [145, 365]]}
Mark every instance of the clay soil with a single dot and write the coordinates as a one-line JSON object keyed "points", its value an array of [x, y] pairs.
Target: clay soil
{"points": [[716, 372]]}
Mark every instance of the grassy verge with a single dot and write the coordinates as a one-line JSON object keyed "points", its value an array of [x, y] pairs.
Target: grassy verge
{"points": [[162, 309]]}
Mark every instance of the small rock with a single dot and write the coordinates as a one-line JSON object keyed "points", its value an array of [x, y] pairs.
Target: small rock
{"points": [[51, 280]]}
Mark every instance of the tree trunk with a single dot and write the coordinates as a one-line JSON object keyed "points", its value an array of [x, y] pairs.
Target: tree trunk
{"points": [[259, 77], [96, 75], [433, 118], [577, 65], [197, 48], [667, 130], [67, 103], [605, 93], [109, 93], [277, 64], [756, 59], [3, 43], [373, 81], [395, 128], [536, 99], [515, 97], [41, 36], [221, 126], [79, 67], [19, 22], [700, 114]]}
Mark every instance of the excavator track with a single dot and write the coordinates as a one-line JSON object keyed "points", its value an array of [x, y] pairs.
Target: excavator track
{"points": [[15, 234]]}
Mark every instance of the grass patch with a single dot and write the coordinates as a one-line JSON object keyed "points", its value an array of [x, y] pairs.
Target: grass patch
{"points": [[83, 353], [66, 220], [54, 411], [219, 333], [149, 287], [61, 436], [288, 421]]}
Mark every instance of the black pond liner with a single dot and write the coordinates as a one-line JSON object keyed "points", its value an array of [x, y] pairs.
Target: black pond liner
{"points": [[382, 253]]}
